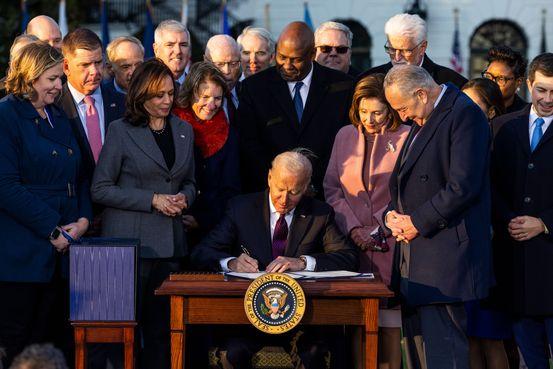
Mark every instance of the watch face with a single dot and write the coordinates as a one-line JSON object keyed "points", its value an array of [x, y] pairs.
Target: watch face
{"points": [[55, 234]]}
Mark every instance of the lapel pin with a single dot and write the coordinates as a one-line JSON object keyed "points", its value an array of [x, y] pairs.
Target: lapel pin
{"points": [[113, 105], [54, 153], [390, 147], [182, 136], [302, 215]]}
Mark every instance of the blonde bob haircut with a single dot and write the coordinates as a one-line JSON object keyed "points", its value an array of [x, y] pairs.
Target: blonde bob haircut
{"points": [[372, 87], [33, 60]]}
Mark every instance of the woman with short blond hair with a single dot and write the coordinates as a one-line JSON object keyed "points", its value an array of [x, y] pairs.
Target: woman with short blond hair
{"points": [[43, 200], [356, 186]]}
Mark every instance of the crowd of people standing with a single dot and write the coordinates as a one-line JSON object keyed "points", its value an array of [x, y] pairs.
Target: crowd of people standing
{"points": [[438, 184]]}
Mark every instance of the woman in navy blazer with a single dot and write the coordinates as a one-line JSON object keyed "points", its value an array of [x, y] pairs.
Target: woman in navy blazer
{"points": [[43, 202]]}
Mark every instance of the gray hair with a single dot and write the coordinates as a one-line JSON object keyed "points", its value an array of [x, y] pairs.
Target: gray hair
{"points": [[27, 38], [37, 356], [111, 49], [170, 25], [295, 161], [334, 26], [407, 25], [409, 78], [258, 32]]}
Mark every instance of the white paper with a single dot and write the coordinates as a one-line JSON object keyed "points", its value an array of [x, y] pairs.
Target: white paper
{"points": [[307, 275]]}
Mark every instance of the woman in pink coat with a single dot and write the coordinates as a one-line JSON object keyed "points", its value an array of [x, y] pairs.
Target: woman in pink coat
{"points": [[356, 186]]}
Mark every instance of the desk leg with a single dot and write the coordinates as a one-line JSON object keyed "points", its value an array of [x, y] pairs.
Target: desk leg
{"points": [[80, 348], [128, 338], [178, 333], [370, 336]]}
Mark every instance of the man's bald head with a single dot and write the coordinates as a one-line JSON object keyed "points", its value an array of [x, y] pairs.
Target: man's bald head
{"points": [[295, 51], [46, 29], [223, 52]]}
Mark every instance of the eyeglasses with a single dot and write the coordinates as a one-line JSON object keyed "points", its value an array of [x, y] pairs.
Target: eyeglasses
{"points": [[232, 64], [325, 49], [500, 80], [405, 52]]}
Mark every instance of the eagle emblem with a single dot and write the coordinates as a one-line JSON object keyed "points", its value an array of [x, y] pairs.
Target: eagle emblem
{"points": [[275, 299]]}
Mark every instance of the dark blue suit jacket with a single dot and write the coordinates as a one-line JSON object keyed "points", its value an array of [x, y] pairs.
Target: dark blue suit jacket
{"points": [[37, 162], [114, 108], [443, 184]]}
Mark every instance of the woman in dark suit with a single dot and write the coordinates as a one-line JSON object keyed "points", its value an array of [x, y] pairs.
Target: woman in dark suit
{"points": [[216, 146], [41, 194], [145, 179]]}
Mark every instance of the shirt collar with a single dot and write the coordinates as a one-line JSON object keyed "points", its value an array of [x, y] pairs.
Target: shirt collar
{"points": [[306, 81], [444, 87], [534, 115], [78, 96], [273, 211], [118, 88]]}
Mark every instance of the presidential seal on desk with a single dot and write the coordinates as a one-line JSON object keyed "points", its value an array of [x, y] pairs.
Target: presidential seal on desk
{"points": [[274, 303]]}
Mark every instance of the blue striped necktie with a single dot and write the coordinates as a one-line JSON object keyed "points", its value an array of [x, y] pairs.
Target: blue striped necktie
{"points": [[537, 134]]}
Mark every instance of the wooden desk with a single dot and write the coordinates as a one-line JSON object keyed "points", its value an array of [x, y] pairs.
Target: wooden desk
{"points": [[210, 299]]}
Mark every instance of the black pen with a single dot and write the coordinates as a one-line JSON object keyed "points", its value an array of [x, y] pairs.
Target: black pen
{"points": [[245, 250]]}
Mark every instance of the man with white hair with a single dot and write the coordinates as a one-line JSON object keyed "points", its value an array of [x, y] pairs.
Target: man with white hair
{"points": [[46, 29], [439, 213], [15, 50], [300, 226], [173, 46], [223, 52], [124, 55], [257, 50], [406, 43], [333, 43]]}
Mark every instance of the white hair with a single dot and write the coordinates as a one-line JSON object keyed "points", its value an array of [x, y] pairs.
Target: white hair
{"points": [[295, 162], [407, 25], [409, 78], [258, 32], [170, 25], [219, 42], [111, 49], [334, 26]]}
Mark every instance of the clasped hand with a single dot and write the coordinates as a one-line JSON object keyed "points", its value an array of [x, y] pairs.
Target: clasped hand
{"points": [[401, 226], [247, 264], [525, 227], [75, 230], [170, 205]]}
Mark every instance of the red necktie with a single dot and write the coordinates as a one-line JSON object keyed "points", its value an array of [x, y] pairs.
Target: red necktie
{"points": [[280, 237], [93, 127]]}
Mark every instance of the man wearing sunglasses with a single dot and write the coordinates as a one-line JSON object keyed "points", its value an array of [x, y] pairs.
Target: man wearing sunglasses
{"points": [[333, 47], [406, 44]]}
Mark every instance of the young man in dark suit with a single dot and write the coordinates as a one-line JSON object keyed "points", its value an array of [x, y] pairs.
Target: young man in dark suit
{"points": [[89, 107], [406, 43], [297, 103], [439, 212], [523, 211]]}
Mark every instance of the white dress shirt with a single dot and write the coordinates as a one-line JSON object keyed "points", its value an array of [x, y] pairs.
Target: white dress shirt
{"points": [[304, 91], [310, 262], [532, 125], [78, 98]]}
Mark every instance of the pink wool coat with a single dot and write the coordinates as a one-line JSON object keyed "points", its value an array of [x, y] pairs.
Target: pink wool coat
{"points": [[360, 204]]}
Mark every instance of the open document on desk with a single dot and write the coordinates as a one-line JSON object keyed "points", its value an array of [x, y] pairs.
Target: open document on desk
{"points": [[308, 275]]}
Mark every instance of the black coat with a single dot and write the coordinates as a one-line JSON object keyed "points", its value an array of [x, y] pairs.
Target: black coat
{"points": [[522, 184], [440, 73], [268, 124], [246, 223], [443, 184]]}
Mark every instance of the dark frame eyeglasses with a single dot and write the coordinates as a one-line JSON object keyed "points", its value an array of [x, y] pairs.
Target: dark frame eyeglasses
{"points": [[500, 80], [405, 52], [325, 49]]}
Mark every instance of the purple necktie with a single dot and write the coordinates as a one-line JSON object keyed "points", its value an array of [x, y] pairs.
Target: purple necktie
{"points": [[93, 127], [280, 237]]}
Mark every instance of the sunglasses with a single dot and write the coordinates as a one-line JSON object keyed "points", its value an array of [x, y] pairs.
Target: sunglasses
{"points": [[339, 49]]}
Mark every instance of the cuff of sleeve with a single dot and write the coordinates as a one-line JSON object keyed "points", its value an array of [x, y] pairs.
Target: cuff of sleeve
{"points": [[224, 264], [310, 263]]}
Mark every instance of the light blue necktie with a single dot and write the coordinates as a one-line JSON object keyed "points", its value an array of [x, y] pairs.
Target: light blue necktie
{"points": [[537, 134], [298, 102]]}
